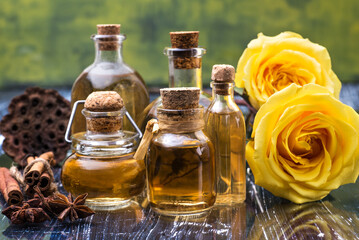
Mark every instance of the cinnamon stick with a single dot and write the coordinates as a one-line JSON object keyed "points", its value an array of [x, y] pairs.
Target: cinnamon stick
{"points": [[49, 156], [30, 159], [33, 175], [10, 188], [29, 191], [44, 182], [29, 180]]}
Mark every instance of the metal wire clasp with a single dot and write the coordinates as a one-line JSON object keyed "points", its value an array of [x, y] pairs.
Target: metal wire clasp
{"points": [[68, 130]]}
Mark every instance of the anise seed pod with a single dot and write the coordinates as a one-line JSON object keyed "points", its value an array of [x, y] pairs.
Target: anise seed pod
{"points": [[67, 207]]}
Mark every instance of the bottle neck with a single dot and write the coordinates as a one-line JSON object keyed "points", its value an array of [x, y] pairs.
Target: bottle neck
{"points": [[180, 120], [185, 77], [223, 92], [114, 56], [104, 135], [108, 48], [185, 67], [102, 125]]}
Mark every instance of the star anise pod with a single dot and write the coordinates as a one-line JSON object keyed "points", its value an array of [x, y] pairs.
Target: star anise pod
{"points": [[40, 201], [64, 207], [25, 213]]}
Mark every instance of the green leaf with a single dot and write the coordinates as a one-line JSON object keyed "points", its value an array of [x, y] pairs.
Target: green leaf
{"points": [[238, 90]]}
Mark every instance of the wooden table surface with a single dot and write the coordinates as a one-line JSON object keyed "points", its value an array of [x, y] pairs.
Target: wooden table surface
{"points": [[262, 216]]}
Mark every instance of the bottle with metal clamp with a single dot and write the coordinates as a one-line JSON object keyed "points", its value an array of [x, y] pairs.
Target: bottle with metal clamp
{"points": [[102, 162]]}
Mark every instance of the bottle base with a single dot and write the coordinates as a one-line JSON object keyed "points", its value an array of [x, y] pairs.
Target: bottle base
{"points": [[230, 199], [107, 204], [183, 209]]}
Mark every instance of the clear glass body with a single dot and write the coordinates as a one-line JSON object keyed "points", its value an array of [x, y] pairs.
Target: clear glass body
{"points": [[103, 166], [179, 77], [181, 171], [225, 126], [110, 73]]}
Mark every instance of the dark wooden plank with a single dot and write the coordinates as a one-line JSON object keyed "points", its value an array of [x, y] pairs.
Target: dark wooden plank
{"points": [[263, 216]]}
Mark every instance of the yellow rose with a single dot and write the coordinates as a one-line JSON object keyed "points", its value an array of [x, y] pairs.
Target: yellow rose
{"points": [[305, 144], [270, 64]]}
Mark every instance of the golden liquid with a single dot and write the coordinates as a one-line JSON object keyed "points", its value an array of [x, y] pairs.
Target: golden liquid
{"points": [[104, 178], [181, 179], [227, 133], [130, 86]]}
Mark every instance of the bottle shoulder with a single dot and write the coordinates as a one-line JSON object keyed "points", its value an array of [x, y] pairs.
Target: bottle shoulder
{"points": [[105, 145], [168, 139], [223, 117], [224, 107], [109, 68], [95, 79], [204, 100]]}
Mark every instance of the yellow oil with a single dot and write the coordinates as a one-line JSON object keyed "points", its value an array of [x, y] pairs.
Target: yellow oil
{"points": [[105, 179], [130, 86], [181, 179], [227, 133]]}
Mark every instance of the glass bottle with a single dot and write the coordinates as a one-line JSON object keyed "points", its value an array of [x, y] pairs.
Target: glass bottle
{"points": [[185, 69], [180, 165], [225, 127], [110, 73], [103, 163]]}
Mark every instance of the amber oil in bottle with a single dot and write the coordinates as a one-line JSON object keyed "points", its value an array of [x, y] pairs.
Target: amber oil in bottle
{"points": [[180, 167], [225, 126], [110, 73], [113, 178], [103, 163]]}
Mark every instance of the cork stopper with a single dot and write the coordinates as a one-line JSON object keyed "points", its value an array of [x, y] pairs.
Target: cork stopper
{"points": [[184, 39], [109, 103], [223, 73], [223, 77], [180, 98], [180, 109], [108, 29], [104, 101], [110, 42]]}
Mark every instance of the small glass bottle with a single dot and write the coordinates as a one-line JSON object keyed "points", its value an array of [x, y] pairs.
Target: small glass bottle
{"points": [[180, 165], [225, 127], [110, 73], [103, 163], [185, 69]]}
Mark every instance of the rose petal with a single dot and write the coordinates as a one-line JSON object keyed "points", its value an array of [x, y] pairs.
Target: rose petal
{"points": [[270, 64], [305, 144]]}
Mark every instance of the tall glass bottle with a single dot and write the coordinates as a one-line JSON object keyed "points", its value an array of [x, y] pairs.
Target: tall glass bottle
{"points": [[225, 127], [185, 69], [110, 73]]}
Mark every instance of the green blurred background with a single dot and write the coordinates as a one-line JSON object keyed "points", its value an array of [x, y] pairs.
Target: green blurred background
{"points": [[47, 42]]}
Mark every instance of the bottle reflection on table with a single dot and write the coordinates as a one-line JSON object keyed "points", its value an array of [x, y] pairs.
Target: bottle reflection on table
{"points": [[318, 220], [219, 222]]}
